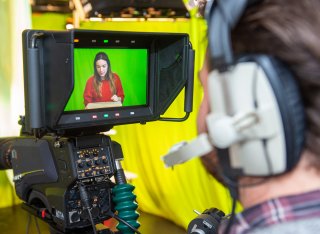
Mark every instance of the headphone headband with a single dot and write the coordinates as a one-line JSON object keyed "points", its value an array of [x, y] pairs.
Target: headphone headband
{"points": [[222, 16]]}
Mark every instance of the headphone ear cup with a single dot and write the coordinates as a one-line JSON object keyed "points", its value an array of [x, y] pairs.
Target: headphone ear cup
{"points": [[273, 145], [290, 103], [291, 108]]}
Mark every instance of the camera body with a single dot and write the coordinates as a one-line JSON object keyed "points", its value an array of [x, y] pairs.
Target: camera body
{"points": [[47, 172]]}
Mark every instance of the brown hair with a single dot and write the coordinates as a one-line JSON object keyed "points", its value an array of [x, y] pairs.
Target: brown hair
{"points": [[289, 30], [109, 75]]}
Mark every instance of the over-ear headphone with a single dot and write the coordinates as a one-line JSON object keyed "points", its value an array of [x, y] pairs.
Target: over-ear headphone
{"points": [[257, 121]]}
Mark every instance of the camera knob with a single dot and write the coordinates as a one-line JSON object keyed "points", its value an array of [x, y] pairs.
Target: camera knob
{"points": [[75, 217]]}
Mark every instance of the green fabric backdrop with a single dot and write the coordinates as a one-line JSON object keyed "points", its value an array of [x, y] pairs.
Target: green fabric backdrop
{"points": [[168, 192]]}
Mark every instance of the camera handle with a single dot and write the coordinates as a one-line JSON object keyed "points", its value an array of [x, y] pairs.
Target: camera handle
{"points": [[124, 199]]}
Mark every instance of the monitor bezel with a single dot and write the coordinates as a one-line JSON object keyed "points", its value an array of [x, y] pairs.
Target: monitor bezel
{"points": [[115, 115]]}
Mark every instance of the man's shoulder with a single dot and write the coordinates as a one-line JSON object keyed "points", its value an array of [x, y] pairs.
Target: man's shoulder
{"points": [[302, 226], [299, 213]]}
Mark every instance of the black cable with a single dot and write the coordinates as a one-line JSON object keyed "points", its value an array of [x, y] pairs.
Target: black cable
{"points": [[92, 222], [85, 199], [254, 88], [268, 159], [231, 220], [125, 222], [235, 184], [256, 105]]}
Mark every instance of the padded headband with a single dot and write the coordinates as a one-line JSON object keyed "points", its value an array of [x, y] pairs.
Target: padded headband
{"points": [[222, 16]]}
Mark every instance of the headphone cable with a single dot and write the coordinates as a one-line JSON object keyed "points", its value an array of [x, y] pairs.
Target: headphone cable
{"points": [[232, 216]]}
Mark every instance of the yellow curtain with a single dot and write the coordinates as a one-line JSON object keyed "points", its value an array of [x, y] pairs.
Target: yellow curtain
{"points": [[15, 15], [170, 193]]}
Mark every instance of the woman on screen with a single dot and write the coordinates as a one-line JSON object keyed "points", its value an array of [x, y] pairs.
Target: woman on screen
{"points": [[104, 88]]}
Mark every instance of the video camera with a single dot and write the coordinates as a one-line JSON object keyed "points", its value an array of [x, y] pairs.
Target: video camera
{"points": [[62, 163]]}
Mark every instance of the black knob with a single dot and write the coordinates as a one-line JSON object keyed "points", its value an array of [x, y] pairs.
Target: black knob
{"points": [[75, 217]]}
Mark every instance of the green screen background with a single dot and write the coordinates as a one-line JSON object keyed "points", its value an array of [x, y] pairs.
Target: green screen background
{"points": [[131, 65]]}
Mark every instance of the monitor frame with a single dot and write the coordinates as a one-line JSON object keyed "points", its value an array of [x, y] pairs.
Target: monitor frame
{"points": [[49, 78]]}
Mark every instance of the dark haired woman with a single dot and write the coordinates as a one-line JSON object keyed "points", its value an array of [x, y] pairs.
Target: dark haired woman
{"points": [[104, 85]]}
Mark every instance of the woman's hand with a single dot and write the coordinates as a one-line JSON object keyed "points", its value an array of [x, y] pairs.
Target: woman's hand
{"points": [[115, 98]]}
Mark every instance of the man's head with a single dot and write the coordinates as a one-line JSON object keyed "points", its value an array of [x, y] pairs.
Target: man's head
{"points": [[288, 31]]}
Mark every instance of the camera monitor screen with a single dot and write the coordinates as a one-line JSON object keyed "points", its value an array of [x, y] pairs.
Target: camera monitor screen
{"points": [[109, 78], [85, 81]]}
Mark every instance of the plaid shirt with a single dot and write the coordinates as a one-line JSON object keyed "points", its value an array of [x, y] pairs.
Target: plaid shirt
{"points": [[277, 211]]}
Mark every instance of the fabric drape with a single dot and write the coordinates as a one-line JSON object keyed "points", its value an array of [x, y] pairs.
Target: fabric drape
{"points": [[172, 193], [15, 16]]}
